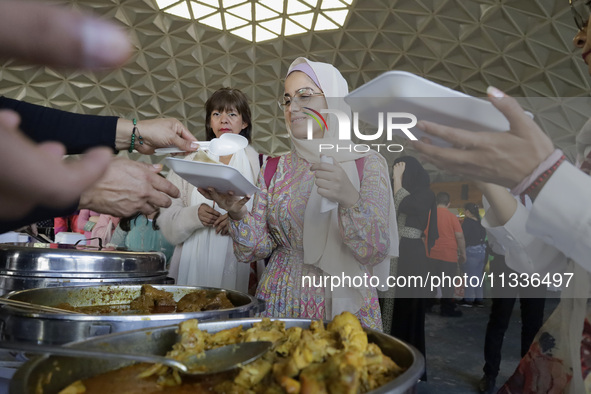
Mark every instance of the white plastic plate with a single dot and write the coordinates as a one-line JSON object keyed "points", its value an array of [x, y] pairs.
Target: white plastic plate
{"points": [[221, 177], [400, 91]]}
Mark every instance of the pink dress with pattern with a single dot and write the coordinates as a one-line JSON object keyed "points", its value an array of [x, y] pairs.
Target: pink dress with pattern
{"points": [[275, 227]]}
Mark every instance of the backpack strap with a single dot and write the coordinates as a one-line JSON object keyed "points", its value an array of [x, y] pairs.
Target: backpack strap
{"points": [[270, 169], [272, 162], [359, 163]]}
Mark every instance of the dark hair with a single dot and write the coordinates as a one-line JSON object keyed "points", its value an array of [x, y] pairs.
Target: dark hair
{"points": [[473, 209], [415, 178], [125, 223], [443, 198], [226, 99]]}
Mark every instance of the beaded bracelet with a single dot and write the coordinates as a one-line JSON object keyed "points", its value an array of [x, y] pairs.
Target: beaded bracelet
{"points": [[140, 139], [544, 176]]}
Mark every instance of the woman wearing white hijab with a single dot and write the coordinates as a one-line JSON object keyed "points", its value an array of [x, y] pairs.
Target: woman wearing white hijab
{"points": [[306, 242]]}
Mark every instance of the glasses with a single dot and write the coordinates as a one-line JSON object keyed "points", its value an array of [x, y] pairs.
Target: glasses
{"points": [[301, 98], [578, 9]]}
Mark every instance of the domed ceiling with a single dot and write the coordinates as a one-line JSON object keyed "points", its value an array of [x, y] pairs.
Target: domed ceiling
{"points": [[522, 47]]}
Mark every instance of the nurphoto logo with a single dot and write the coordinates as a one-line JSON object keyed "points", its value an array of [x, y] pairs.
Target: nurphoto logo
{"points": [[318, 118], [344, 127]]}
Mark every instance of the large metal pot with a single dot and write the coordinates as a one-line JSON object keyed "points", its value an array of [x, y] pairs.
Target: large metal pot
{"points": [[53, 328], [28, 265], [56, 372]]}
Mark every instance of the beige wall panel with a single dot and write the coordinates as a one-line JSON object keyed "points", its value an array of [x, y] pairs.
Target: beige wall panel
{"points": [[522, 47]]}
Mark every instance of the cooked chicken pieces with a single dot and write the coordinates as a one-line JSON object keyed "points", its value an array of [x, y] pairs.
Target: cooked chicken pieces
{"points": [[335, 359]]}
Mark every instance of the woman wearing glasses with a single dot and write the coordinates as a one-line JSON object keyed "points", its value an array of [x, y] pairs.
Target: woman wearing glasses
{"points": [[320, 222], [554, 237]]}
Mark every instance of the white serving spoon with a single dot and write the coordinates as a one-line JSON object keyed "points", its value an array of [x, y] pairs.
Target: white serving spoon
{"points": [[226, 145]]}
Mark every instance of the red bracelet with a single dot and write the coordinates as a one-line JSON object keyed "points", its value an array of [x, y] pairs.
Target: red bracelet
{"points": [[542, 178]]}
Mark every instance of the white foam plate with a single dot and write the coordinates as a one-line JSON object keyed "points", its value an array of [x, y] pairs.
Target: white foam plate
{"points": [[221, 177], [227, 144], [400, 91]]}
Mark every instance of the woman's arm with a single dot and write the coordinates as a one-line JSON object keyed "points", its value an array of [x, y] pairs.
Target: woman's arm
{"points": [[502, 158], [76, 131], [250, 234], [79, 132], [561, 214], [365, 226], [524, 252]]}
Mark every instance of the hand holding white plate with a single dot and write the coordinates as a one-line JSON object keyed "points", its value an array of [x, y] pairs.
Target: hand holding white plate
{"points": [[221, 177], [405, 93]]}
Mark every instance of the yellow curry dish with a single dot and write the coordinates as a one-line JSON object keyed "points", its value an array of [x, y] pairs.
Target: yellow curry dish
{"points": [[336, 358]]}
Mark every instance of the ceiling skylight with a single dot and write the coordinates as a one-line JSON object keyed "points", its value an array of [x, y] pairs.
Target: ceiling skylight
{"points": [[262, 20]]}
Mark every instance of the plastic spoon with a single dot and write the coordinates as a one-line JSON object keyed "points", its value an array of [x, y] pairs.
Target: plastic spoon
{"points": [[213, 361], [226, 145]]}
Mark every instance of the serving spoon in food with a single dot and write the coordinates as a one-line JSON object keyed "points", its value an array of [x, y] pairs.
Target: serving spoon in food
{"points": [[212, 361], [36, 307]]}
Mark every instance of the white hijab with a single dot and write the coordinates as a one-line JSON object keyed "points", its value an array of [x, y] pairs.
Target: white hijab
{"points": [[323, 245]]}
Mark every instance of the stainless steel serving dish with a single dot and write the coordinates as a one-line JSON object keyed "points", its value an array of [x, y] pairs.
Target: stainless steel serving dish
{"points": [[57, 372], [35, 265], [53, 328]]}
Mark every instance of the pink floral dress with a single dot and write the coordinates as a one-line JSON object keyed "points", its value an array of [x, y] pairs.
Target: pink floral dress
{"points": [[275, 228]]}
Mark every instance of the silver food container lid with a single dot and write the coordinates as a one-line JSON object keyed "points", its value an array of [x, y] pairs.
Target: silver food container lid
{"points": [[62, 260]]}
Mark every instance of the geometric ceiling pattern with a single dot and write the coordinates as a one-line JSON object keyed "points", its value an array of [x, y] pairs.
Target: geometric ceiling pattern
{"points": [[262, 20], [522, 47]]}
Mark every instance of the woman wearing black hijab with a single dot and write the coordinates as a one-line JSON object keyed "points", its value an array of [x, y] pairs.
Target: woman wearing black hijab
{"points": [[403, 312]]}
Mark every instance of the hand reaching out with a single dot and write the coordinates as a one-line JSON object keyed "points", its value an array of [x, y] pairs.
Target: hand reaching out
{"points": [[37, 32], [501, 158], [234, 205], [49, 180], [129, 187], [156, 133]]}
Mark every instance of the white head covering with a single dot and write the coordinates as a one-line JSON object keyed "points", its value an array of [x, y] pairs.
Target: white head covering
{"points": [[323, 245]]}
